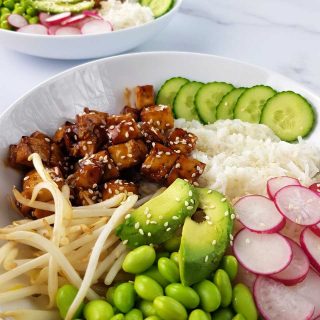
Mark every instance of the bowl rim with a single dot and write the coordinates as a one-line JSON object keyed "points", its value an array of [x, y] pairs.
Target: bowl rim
{"points": [[172, 11]]}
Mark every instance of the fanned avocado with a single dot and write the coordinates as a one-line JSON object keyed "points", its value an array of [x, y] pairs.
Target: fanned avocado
{"points": [[158, 219], [204, 244], [60, 7]]}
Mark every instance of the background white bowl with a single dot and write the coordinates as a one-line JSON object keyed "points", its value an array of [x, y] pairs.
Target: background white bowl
{"points": [[86, 46]]}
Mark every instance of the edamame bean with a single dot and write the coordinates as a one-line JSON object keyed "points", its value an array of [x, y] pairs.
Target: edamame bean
{"points": [[139, 259], [168, 269], [5, 25], [18, 10], [4, 17], [222, 281], [147, 308], [198, 314], [175, 257], [153, 318], [172, 244], [4, 11], [223, 314], [110, 295], [33, 20], [64, 299], [185, 295], [147, 288], [210, 297], [230, 265], [9, 4], [154, 273], [123, 297], [31, 11], [98, 310], [169, 309], [134, 314], [242, 302], [118, 316], [239, 316]]}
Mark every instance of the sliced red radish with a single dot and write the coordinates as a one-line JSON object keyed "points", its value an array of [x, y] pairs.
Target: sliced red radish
{"points": [[316, 229], [57, 18], [310, 243], [310, 289], [34, 29], [277, 183], [297, 269], [292, 231], [262, 253], [246, 277], [92, 14], [299, 204], [276, 301], [16, 20], [43, 16], [67, 31], [96, 26], [259, 214], [72, 20], [52, 29], [315, 187]]}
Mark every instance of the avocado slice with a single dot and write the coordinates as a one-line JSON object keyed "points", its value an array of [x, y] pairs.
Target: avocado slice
{"points": [[204, 244], [158, 219], [60, 7]]}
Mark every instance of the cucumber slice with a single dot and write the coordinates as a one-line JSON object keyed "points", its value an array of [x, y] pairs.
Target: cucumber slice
{"points": [[289, 115], [145, 2], [169, 90], [208, 98], [251, 102], [160, 7], [183, 104], [227, 104]]}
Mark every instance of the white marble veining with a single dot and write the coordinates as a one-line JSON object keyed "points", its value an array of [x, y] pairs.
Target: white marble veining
{"points": [[283, 35]]}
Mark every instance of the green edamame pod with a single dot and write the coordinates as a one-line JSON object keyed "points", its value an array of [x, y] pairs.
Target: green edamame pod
{"points": [[210, 297], [169, 270], [147, 288], [169, 309], [172, 244], [124, 297], [134, 314], [222, 281], [230, 265], [199, 314], [139, 259], [175, 257], [118, 316], [147, 308], [239, 316], [243, 303], [98, 310], [154, 273], [64, 299], [110, 295], [185, 295], [223, 314]]}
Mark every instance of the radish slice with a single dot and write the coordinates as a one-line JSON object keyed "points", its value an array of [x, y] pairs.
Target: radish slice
{"points": [[73, 20], [276, 301], [52, 29], [315, 188], [310, 289], [259, 214], [262, 253], [34, 29], [43, 17], [310, 243], [292, 231], [96, 26], [299, 204], [67, 31], [92, 14], [275, 184], [17, 21], [316, 229], [298, 268], [57, 18]]}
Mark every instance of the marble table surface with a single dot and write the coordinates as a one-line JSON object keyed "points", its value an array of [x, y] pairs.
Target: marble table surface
{"points": [[283, 35]]}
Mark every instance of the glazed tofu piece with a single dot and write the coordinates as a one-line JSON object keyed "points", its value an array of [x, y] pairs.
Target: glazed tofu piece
{"points": [[114, 187], [158, 163], [123, 131], [129, 154], [85, 197], [144, 96], [116, 119], [56, 156], [110, 170], [38, 143], [133, 112], [186, 168], [182, 141], [160, 117], [151, 133]]}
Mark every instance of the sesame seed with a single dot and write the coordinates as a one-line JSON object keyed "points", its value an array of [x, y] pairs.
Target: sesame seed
{"points": [[147, 221], [137, 225], [232, 216], [124, 241], [168, 229], [89, 142], [231, 236], [196, 184], [209, 222], [206, 259], [178, 165], [126, 134], [141, 232], [248, 241], [178, 199], [84, 148], [190, 193], [223, 199], [189, 207], [149, 234], [149, 215], [160, 217], [47, 139], [166, 224], [175, 218], [127, 216], [146, 210], [26, 178], [168, 153], [214, 242], [231, 243], [210, 191], [153, 222], [226, 213], [186, 203]]}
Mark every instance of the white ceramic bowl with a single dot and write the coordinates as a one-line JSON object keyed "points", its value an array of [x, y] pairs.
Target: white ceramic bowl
{"points": [[86, 46], [100, 85]]}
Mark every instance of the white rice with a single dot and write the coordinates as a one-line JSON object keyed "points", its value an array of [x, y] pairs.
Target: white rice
{"points": [[241, 157], [125, 14]]}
